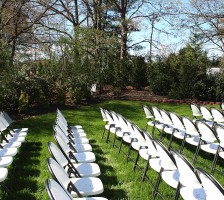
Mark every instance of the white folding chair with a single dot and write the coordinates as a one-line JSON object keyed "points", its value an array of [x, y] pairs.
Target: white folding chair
{"points": [[149, 116], [207, 115], [72, 168], [75, 140], [110, 126], [218, 116], [158, 122], [178, 128], [209, 141], [57, 192], [77, 148], [196, 112], [77, 187], [219, 130], [83, 157], [3, 176], [72, 127], [105, 120], [189, 186], [168, 171], [212, 187], [192, 135]]}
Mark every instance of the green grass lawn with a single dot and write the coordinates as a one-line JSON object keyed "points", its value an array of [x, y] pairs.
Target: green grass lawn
{"points": [[29, 171]]}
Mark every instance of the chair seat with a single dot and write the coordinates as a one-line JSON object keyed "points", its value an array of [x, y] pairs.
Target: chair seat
{"points": [[84, 157], [82, 147], [87, 186], [78, 134], [15, 139], [18, 130], [11, 144], [3, 174], [179, 134], [145, 153], [150, 123], [6, 161], [171, 178], [210, 148], [87, 169], [81, 140], [193, 140], [120, 133], [8, 152], [159, 126], [193, 193], [76, 127], [137, 145], [19, 133], [155, 164], [91, 198], [168, 130]]}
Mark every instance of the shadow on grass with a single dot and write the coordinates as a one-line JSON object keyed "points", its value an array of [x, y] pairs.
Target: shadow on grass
{"points": [[109, 181], [23, 171]]}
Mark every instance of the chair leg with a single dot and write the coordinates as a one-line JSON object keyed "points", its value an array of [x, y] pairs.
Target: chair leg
{"points": [[146, 126], [120, 145], [145, 170], [136, 161], [5, 188], [182, 145], [108, 136], [215, 161], [129, 151], [177, 194], [196, 153], [157, 183], [171, 139], [114, 139], [103, 133]]}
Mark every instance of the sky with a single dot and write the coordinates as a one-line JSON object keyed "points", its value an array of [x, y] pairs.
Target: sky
{"points": [[168, 43]]}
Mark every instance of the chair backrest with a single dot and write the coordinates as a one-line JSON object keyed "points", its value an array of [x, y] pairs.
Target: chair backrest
{"points": [[148, 112], [58, 173], [188, 177], [123, 123], [222, 105], [3, 127], [196, 112], [167, 160], [166, 117], [206, 113], [177, 121], [4, 120], [157, 114], [217, 115], [151, 144], [206, 132], [56, 191], [102, 111], [212, 187], [190, 127], [115, 118], [109, 117], [219, 129], [138, 133], [57, 154], [61, 117], [7, 117]]}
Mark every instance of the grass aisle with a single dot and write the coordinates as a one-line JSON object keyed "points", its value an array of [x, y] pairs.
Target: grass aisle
{"points": [[29, 170]]}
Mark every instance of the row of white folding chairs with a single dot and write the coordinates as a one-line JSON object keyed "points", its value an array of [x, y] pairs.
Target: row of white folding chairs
{"points": [[176, 171], [11, 140], [161, 160], [197, 133], [71, 164], [122, 128], [210, 115]]}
